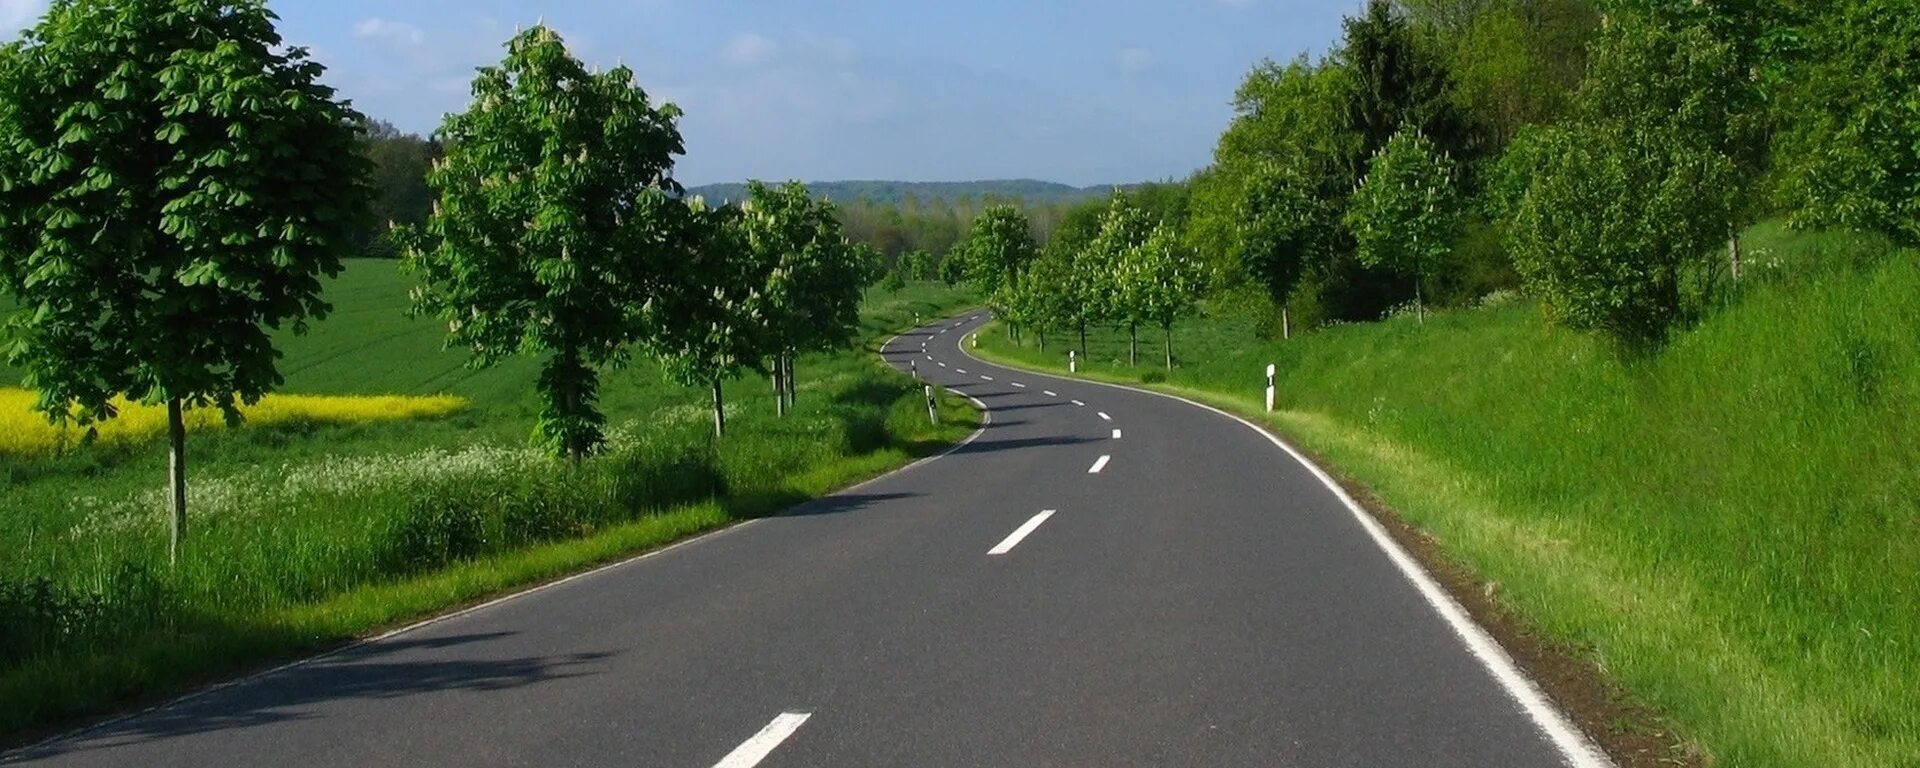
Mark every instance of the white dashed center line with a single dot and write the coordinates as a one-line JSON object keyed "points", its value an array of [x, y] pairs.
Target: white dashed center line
{"points": [[1116, 434], [756, 749], [1049, 393], [1105, 417], [1013, 539], [1076, 402], [1017, 384], [1099, 465], [984, 377]]}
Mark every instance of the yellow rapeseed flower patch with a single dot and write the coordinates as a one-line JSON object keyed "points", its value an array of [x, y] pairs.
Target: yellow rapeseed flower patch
{"points": [[25, 432]]}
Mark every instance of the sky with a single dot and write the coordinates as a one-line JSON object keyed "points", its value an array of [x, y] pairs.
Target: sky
{"points": [[1082, 92]]}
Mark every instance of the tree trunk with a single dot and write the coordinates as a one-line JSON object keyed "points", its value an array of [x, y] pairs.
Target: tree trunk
{"points": [[1041, 338], [176, 478], [1733, 255], [719, 411], [1168, 329], [1083, 338], [779, 389], [1133, 344], [1419, 306], [1286, 323], [792, 389]]}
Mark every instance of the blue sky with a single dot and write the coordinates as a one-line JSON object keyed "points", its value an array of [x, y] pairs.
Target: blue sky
{"points": [[1084, 92]]}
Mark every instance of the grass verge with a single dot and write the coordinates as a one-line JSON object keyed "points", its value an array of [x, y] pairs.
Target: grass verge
{"points": [[1729, 528]]}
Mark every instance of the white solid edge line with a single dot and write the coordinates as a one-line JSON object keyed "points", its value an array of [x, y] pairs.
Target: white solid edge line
{"points": [[1099, 465], [1579, 751], [1105, 417], [1013, 539], [1116, 434], [756, 749], [986, 420]]}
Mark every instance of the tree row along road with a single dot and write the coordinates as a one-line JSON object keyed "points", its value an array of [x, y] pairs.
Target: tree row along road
{"points": [[1100, 577]]}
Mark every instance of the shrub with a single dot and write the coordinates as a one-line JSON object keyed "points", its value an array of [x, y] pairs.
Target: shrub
{"points": [[444, 524]]}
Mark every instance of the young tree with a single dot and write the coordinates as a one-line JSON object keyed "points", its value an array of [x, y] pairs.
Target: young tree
{"points": [[174, 186], [1042, 295], [1095, 286], [998, 247], [1160, 281], [707, 314], [1626, 203], [1285, 230], [557, 214], [812, 278], [1850, 151], [1405, 215]]}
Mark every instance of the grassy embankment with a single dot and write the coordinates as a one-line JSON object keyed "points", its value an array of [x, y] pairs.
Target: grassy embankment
{"points": [[1729, 527], [326, 518]]}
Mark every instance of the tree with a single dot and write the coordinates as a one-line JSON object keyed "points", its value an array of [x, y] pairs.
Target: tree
{"points": [[1850, 153], [1623, 205], [709, 309], [557, 214], [811, 277], [1396, 80], [175, 184], [1160, 281], [917, 265], [1405, 215], [1286, 229], [1092, 284], [998, 247], [401, 162]]}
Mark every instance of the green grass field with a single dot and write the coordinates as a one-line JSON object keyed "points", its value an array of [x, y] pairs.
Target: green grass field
{"points": [[1730, 527], [303, 535]]}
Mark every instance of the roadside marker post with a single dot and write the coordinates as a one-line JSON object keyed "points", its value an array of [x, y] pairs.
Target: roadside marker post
{"points": [[913, 366], [976, 340], [933, 407], [1073, 361], [1270, 372]]}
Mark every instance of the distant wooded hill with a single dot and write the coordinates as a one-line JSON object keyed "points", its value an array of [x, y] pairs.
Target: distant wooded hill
{"points": [[896, 192]]}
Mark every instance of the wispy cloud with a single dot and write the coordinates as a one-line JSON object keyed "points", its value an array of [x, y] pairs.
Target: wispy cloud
{"points": [[389, 31], [749, 49], [16, 15], [1134, 61]]}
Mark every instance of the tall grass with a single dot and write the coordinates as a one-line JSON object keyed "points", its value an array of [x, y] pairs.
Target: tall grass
{"points": [[1729, 526], [304, 532]]}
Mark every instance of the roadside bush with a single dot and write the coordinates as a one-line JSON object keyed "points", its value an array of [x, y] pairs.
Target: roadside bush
{"points": [[443, 524], [656, 474]]}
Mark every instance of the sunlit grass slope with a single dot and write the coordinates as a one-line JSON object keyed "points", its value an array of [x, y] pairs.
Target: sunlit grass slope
{"points": [[1730, 527]]}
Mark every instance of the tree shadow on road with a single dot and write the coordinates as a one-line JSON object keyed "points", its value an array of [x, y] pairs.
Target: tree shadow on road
{"points": [[368, 671]]}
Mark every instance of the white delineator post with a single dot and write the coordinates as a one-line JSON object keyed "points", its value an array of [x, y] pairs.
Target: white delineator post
{"points": [[933, 407], [976, 341], [913, 366], [1270, 372], [1073, 361]]}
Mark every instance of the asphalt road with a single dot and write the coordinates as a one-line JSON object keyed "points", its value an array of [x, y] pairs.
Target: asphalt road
{"points": [[1102, 577]]}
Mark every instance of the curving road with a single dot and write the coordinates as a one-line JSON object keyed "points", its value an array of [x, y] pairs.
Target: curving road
{"points": [[1101, 577]]}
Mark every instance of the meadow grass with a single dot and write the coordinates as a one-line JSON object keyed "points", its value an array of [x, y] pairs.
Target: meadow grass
{"points": [[305, 532], [1730, 526]]}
